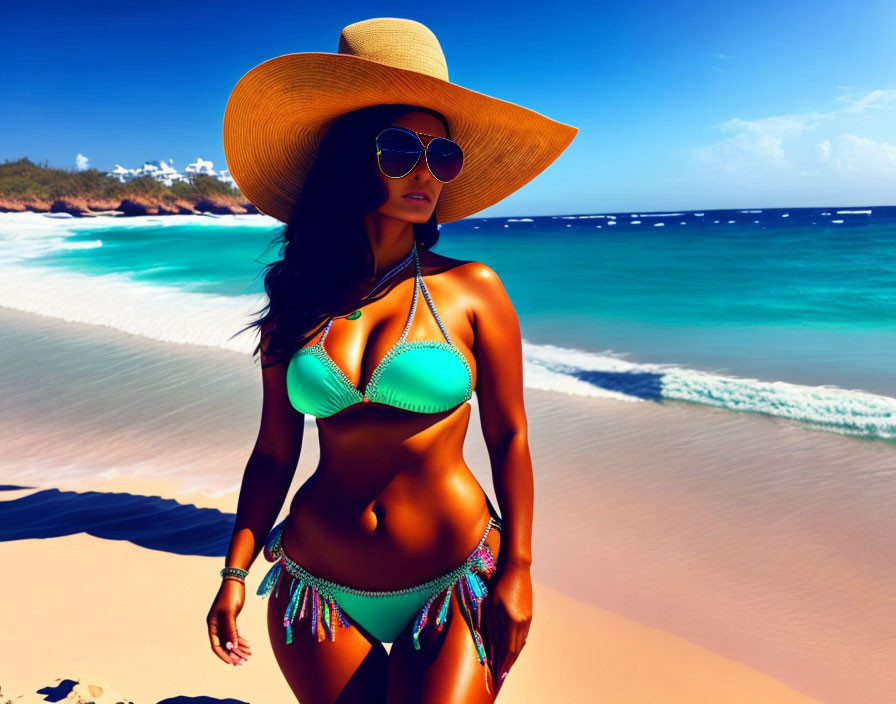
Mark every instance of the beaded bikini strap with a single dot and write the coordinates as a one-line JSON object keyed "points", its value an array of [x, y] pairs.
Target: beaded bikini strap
{"points": [[320, 342], [407, 324], [418, 280], [432, 306]]}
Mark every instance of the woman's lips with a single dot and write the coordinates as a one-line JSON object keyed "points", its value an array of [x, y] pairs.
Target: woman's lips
{"points": [[416, 200]]}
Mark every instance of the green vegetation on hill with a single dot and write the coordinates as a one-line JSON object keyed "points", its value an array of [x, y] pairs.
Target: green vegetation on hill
{"points": [[23, 180]]}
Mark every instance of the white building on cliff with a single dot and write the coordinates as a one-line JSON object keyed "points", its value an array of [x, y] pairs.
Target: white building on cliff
{"points": [[167, 174]]}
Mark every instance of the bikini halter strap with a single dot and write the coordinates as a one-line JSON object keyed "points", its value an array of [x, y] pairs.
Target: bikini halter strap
{"points": [[418, 280]]}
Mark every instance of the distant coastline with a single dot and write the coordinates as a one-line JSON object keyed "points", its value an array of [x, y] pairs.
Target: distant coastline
{"points": [[126, 207], [25, 186]]}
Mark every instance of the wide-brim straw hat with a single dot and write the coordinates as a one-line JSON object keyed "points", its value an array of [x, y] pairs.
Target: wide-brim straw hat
{"points": [[279, 111]]}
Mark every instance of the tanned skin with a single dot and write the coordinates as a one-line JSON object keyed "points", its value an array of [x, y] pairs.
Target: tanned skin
{"points": [[392, 503]]}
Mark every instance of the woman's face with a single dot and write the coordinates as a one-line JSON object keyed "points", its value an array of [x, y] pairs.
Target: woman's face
{"points": [[397, 205]]}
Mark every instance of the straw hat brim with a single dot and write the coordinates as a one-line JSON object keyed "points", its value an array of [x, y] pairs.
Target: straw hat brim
{"points": [[279, 111]]}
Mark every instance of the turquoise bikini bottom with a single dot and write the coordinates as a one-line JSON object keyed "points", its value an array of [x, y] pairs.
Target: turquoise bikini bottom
{"points": [[383, 614]]}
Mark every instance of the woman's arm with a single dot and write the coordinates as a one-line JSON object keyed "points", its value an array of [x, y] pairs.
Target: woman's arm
{"points": [[270, 469], [499, 391], [498, 349], [266, 480]]}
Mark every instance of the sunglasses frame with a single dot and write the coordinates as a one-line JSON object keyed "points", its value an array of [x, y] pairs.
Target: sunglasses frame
{"points": [[423, 152]]}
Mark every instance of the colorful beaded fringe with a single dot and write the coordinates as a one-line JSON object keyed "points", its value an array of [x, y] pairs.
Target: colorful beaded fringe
{"points": [[470, 591], [305, 600], [309, 596]]}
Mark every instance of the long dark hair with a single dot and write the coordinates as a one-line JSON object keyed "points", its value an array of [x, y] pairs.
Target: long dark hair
{"points": [[325, 251]]}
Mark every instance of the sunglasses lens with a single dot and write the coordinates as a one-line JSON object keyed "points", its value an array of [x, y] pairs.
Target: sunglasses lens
{"points": [[397, 151], [445, 158]]}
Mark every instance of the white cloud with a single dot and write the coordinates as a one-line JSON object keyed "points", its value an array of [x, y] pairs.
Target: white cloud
{"points": [[872, 100], [81, 162], [719, 68], [859, 155], [754, 144], [758, 146]]}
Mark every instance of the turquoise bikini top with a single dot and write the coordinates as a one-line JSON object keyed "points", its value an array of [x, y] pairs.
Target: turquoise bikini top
{"points": [[426, 376]]}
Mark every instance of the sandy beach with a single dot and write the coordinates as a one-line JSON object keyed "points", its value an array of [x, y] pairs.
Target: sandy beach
{"points": [[682, 553]]}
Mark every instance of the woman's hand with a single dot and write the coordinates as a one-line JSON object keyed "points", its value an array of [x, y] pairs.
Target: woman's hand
{"points": [[508, 613], [221, 622]]}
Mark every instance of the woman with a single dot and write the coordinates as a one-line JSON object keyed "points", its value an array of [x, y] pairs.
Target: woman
{"points": [[391, 539]]}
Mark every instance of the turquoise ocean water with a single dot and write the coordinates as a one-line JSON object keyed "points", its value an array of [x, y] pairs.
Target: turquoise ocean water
{"points": [[788, 312]]}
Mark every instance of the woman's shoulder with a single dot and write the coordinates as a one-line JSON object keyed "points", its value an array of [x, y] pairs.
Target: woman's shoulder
{"points": [[474, 281], [464, 270]]}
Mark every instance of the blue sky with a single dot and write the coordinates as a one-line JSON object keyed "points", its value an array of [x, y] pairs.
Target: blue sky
{"points": [[680, 105]]}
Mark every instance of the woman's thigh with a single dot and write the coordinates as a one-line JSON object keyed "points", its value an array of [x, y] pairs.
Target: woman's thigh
{"points": [[349, 669], [445, 669]]}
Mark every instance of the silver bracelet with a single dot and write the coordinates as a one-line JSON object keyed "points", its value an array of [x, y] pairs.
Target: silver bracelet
{"points": [[234, 572]]}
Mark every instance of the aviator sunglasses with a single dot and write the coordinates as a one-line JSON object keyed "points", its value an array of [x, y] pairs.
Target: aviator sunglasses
{"points": [[398, 150]]}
